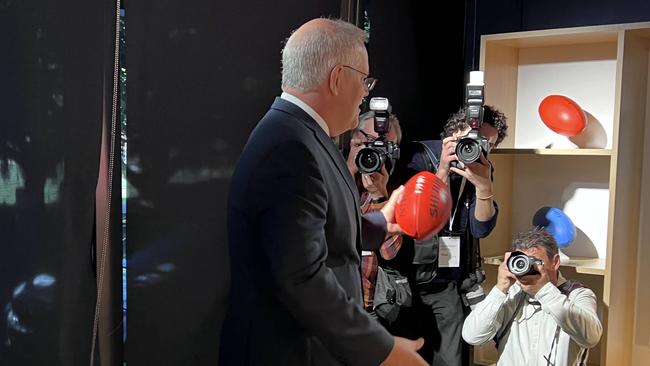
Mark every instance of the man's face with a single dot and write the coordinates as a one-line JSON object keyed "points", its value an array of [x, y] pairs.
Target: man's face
{"points": [[550, 264], [356, 90], [369, 133]]}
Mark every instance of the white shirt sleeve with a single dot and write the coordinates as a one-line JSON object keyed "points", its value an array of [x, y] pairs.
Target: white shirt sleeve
{"points": [[483, 323], [575, 314]]}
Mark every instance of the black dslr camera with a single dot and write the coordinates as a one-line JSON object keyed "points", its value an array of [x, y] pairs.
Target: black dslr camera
{"points": [[380, 151], [469, 148], [520, 264]]}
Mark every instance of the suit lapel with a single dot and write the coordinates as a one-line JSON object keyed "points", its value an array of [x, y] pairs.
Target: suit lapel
{"points": [[325, 141]]}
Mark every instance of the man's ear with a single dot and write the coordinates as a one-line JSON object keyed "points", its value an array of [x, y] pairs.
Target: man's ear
{"points": [[335, 80], [556, 262]]}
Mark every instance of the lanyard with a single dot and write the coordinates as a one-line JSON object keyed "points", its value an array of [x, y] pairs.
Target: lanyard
{"points": [[460, 193]]}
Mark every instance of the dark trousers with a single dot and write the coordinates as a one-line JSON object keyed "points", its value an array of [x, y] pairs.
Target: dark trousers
{"points": [[443, 306]]}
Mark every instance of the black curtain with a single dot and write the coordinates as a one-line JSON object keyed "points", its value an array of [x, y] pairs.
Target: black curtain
{"points": [[501, 16], [201, 73], [416, 50], [52, 102]]}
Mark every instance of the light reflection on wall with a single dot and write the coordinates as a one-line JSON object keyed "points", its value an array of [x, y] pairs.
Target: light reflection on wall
{"points": [[11, 179], [52, 185], [31, 303]]}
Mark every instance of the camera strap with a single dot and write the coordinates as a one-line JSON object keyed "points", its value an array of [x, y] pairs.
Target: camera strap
{"points": [[460, 193]]}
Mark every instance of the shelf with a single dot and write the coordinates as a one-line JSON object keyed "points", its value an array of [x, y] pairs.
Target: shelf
{"points": [[561, 152], [546, 38], [585, 265]]}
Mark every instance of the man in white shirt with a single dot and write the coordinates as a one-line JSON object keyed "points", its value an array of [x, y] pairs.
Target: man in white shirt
{"points": [[538, 318]]}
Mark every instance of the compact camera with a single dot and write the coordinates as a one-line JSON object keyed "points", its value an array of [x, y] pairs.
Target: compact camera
{"points": [[520, 264], [470, 147], [380, 151]]}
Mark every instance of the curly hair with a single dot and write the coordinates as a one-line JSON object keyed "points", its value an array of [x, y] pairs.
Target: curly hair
{"points": [[491, 116], [536, 237]]}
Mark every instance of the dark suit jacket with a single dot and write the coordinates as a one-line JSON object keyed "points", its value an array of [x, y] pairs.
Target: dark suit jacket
{"points": [[295, 240]]}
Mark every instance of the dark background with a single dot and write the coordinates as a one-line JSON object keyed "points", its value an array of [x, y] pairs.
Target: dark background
{"points": [[200, 75], [53, 68]]}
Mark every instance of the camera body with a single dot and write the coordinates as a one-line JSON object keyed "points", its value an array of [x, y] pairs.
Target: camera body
{"points": [[520, 264], [470, 147], [380, 151]]}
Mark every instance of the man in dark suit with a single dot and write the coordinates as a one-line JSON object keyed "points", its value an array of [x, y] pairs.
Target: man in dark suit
{"points": [[295, 231]]}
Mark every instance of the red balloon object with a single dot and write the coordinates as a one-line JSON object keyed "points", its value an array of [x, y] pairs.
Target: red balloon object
{"points": [[562, 115], [425, 206]]}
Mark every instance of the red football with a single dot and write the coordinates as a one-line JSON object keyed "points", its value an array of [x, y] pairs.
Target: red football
{"points": [[562, 115], [425, 206]]}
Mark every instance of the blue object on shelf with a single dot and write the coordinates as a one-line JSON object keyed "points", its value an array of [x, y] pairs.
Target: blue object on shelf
{"points": [[556, 223]]}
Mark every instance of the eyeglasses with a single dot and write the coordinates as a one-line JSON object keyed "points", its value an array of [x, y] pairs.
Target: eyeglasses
{"points": [[368, 82], [369, 137]]}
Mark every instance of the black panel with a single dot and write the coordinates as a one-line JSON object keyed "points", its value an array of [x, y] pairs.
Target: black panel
{"points": [[201, 73], [559, 14], [500, 16], [51, 109], [416, 50]]}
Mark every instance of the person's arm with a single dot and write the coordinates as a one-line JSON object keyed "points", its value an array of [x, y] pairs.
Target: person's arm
{"points": [[487, 318], [292, 200], [481, 229], [377, 225], [575, 314], [483, 209], [377, 182], [483, 323]]}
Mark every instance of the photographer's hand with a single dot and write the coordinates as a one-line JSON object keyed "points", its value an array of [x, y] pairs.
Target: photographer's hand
{"points": [[505, 278], [375, 183], [447, 155], [392, 227], [355, 146], [479, 173]]}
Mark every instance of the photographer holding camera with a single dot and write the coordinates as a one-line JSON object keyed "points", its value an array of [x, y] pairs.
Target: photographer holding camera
{"points": [[371, 160], [447, 269], [535, 316]]}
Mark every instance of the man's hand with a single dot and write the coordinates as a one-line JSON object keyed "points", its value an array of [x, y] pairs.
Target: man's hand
{"points": [[405, 353], [479, 173], [533, 283], [355, 146], [389, 212], [375, 183], [447, 155], [505, 278]]}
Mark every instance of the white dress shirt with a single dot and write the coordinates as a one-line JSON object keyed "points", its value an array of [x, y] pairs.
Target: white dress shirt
{"points": [[547, 329], [309, 110]]}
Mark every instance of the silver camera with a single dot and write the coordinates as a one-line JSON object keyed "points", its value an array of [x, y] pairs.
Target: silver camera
{"points": [[520, 264]]}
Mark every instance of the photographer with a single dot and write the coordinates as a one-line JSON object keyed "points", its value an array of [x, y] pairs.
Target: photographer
{"points": [[447, 292], [537, 317], [373, 189]]}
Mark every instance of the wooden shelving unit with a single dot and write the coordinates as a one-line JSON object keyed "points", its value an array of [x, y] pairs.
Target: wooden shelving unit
{"points": [[604, 186]]}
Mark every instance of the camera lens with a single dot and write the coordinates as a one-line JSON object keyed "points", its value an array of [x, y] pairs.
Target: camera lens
{"points": [[468, 150], [519, 264], [368, 160]]}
